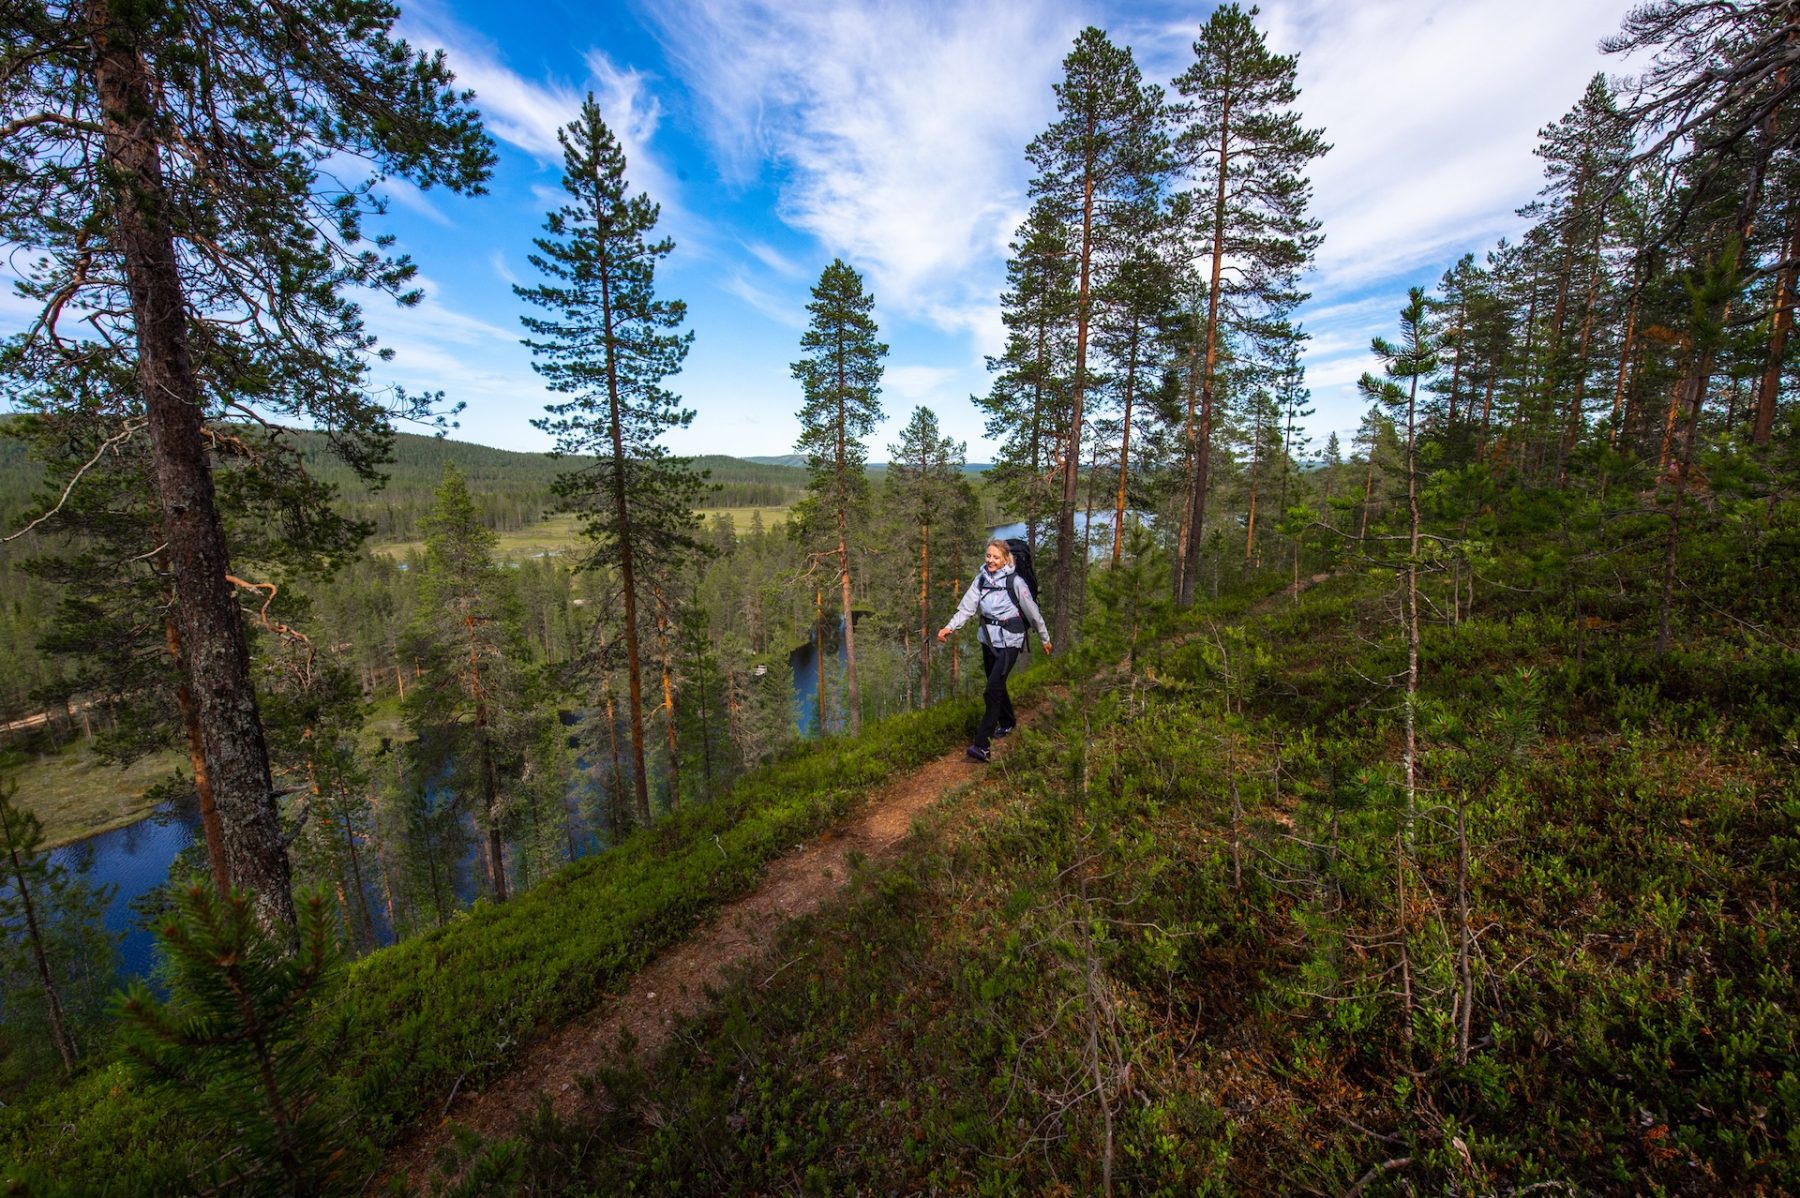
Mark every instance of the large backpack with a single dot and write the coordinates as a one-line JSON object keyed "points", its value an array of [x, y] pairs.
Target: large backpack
{"points": [[1021, 560], [1021, 555]]}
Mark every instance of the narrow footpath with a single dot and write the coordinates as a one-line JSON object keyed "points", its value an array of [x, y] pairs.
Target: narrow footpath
{"points": [[675, 985]]}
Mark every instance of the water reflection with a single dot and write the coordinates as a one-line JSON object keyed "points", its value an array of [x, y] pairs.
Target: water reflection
{"points": [[134, 860]]}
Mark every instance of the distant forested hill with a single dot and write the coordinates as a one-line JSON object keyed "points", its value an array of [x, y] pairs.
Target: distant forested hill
{"points": [[512, 489]]}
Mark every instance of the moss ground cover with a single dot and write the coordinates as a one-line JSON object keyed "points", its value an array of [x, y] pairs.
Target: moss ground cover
{"points": [[455, 1006], [1196, 942]]}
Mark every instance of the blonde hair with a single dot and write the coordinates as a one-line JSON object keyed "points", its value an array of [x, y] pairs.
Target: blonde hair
{"points": [[1005, 550]]}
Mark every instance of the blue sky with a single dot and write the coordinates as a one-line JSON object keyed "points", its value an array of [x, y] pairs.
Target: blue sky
{"points": [[778, 134]]}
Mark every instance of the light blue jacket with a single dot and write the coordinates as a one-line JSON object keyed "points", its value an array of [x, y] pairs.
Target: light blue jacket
{"points": [[988, 597]]}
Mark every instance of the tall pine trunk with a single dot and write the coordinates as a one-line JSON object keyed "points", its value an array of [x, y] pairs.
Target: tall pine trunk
{"points": [[634, 666], [853, 695], [1125, 447], [819, 663], [1071, 463], [212, 631], [196, 746], [924, 615], [1202, 440], [1770, 386], [666, 660]]}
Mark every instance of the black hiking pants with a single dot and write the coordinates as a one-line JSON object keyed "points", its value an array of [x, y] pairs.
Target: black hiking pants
{"points": [[998, 713]]}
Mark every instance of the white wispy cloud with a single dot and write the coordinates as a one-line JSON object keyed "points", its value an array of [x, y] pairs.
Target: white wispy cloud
{"points": [[1432, 111], [785, 311], [413, 200], [897, 130], [907, 386], [774, 259], [498, 261], [529, 113], [438, 347]]}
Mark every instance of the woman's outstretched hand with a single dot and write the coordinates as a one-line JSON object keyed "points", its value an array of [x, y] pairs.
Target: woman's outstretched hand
{"points": [[944, 635], [1046, 648]]}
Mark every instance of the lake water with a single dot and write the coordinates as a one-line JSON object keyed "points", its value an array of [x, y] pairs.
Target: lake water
{"points": [[1102, 521], [136, 860]]}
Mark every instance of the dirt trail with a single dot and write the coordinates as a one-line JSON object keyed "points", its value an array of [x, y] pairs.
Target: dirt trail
{"points": [[674, 985]]}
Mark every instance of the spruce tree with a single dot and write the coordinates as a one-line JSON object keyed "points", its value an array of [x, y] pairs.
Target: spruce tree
{"points": [[164, 182], [840, 375], [1102, 160], [607, 344], [1246, 153]]}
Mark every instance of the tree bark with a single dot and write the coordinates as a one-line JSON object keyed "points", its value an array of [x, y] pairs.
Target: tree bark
{"points": [[634, 672], [1125, 448], [1625, 351], [211, 627], [190, 722], [490, 769], [819, 665], [1575, 420], [1770, 387], [668, 689], [924, 615], [1071, 461], [1203, 435]]}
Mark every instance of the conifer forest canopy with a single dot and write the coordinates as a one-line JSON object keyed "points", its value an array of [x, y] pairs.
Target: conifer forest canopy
{"points": [[1411, 811]]}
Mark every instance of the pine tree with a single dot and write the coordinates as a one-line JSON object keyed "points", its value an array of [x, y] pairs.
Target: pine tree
{"points": [[1413, 358], [468, 713], [925, 479], [1458, 291], [1719, 87], [1135, 316], [1104, 157], [1246, 153], [1291, 394], [164, 177], [840, 375], [607, 343], [1028, 401], [1585, 156], [231, 1038]]}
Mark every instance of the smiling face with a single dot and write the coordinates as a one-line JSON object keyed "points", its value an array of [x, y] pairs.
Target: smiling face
{"points": [[996, 558]]}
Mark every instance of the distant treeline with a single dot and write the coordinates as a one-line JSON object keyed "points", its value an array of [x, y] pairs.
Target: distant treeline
{"points": [[511, 490]]}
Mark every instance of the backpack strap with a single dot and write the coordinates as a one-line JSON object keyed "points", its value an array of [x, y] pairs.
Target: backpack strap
{"points": [[1012, 593]]}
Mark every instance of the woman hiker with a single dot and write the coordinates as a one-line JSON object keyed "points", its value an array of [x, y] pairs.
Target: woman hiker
{"points": [[1004, 602]]}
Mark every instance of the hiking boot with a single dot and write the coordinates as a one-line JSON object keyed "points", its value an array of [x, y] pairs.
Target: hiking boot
{"points": [[1003, 730], [977, 753]]}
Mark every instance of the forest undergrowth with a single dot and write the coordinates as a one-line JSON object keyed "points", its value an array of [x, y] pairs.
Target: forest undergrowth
{"points": [[406, 1026], [1195, 941]]}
